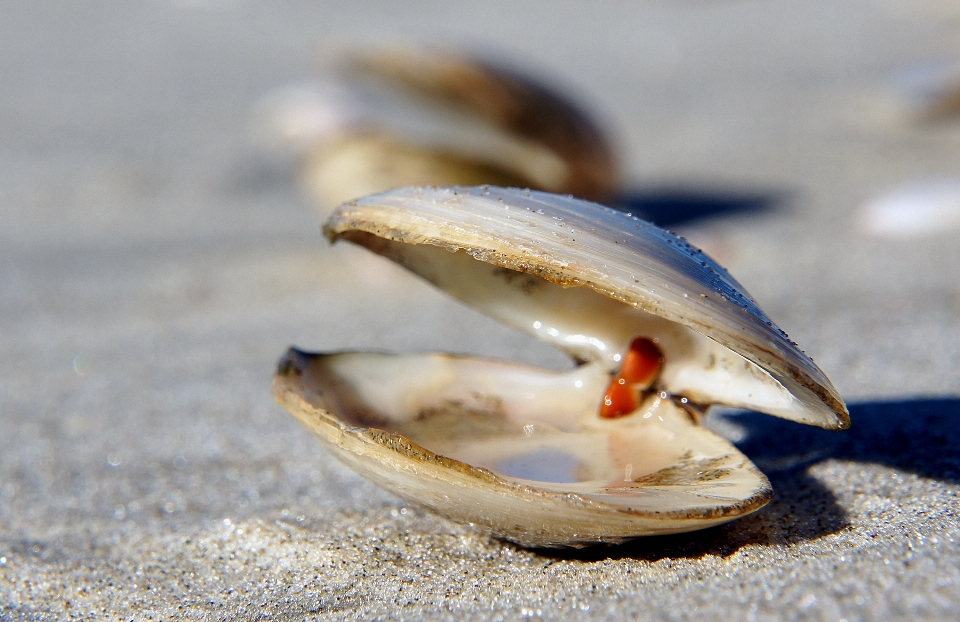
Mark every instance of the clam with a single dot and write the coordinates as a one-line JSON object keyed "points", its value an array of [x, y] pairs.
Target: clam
{"points": [[607, 450], [400, 116]]}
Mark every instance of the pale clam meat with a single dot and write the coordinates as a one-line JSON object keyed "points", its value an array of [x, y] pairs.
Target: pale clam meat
{"points": [[522, 451]]}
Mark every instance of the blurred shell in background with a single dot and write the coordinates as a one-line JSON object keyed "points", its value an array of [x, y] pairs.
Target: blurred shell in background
{"points": [[400, 116]]}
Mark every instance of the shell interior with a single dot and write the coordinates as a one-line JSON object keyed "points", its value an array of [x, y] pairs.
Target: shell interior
{"points": [[519, 450]]}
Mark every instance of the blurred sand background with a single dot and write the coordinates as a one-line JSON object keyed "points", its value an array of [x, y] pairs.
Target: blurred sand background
{"points": [[156, 260]]}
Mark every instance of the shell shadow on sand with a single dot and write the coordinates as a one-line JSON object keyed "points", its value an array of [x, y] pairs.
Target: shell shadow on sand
{"points": [[918, 436], [671, 206]]}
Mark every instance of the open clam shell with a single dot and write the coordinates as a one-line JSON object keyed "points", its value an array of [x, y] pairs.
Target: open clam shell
{"points": [[524, 451]]}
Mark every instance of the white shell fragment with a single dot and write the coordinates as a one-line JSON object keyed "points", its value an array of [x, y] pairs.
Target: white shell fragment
{"points": [[523, 451], [300, 117], [917, 210]]}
